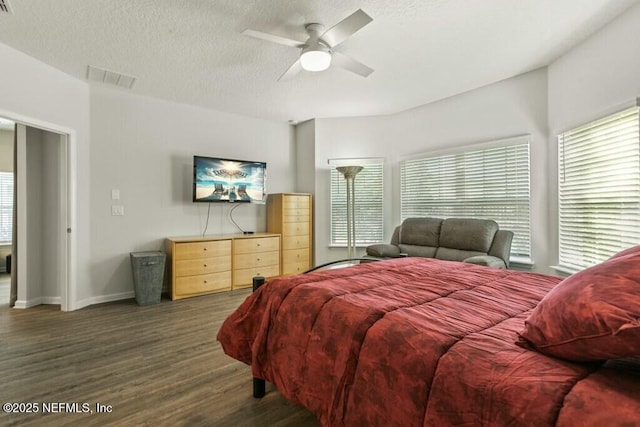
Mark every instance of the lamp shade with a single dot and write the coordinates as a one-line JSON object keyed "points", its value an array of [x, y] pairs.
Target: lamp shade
{"points": [[350, 173], [315, 60]]}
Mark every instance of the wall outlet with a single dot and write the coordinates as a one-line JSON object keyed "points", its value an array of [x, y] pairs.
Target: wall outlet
{"points": [[117, 210]]}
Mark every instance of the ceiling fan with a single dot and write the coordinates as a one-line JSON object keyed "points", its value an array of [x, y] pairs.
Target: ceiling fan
{"points": [[318, 51]]}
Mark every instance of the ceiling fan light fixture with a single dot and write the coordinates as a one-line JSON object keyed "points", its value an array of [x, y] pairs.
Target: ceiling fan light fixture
{"points": [[315, 60], [318, 51]]}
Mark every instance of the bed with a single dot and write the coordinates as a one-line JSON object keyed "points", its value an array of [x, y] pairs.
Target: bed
{"points": [[415, 341]]}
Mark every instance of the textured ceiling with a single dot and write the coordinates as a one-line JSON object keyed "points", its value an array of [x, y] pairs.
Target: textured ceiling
{"points": [[193, 52]]}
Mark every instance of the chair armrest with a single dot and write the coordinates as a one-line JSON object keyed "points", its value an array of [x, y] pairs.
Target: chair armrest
{"points": [[486, 260], [384, 250], [501, 246]]}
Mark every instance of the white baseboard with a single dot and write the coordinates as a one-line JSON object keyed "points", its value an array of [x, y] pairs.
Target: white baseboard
{"points": [[78, 305], [51, 300], [21, 304], [37, 301], [102, 299]]}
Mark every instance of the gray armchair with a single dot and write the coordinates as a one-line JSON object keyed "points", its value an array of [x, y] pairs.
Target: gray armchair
{"points": [[476, 241]]}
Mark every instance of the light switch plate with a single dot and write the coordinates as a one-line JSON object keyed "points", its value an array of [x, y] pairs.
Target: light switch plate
{"points": [[115, 194], [117, 210]]}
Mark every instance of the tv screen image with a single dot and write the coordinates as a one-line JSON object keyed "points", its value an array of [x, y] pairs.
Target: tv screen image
{"points": [[226, 180]]}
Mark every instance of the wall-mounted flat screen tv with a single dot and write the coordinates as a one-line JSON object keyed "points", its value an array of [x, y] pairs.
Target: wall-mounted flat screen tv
{"points": [[227, 180]]}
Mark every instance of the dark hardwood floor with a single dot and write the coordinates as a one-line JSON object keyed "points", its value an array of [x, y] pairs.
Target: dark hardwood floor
{"points": [[154, 365]]}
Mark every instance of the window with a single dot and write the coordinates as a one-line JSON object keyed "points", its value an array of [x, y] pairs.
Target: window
{"points": [[599, 189], [6, 207], [489, 181], [369, 209]]}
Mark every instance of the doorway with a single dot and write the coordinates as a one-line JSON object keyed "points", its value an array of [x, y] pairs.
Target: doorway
{"points": [[41, 267], [7, 131]]}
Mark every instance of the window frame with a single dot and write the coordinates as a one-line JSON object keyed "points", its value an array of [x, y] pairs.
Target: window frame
{"points": [[600, 249], [4, 175], [524, 254]]}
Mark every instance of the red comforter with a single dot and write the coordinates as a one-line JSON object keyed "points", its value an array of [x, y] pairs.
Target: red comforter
{"points": [[417, 341]]}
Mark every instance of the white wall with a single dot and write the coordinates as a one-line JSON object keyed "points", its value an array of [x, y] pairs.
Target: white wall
{"points": [[34, 216], [38, 94], [596, 78], [144, 147], [305, 139], [50, 205], [348, 138], [6, 150], [512, 107], [42, 218]]}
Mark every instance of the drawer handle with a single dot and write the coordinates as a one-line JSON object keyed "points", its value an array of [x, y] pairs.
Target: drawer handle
{"points": [[258, 259], [205, 281], [205, 249], [258, 244], [205, 265]]}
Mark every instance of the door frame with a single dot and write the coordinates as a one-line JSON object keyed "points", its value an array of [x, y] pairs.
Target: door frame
{"points": [[68, 189]]}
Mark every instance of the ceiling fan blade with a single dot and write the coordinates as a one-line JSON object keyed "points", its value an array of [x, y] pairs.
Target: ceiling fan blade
{"points": [[291, 72], [273, 38], [345, 28], [350, 64]]}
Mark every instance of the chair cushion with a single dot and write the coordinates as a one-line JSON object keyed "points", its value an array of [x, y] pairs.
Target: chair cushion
{"points": [[468, 234], [418, 250], [486, 260], [383, 250], [420, 231], [450, 254]]}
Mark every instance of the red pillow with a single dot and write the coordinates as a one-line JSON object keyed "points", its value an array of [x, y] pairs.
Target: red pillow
{"points": [[592, 315], [628, 251]]}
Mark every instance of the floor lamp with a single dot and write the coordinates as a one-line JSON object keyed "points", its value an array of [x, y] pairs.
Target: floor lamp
{"points": [[350, 173]]}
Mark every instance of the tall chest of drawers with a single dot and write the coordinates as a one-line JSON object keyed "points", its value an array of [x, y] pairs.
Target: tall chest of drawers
{"points": [[290, 215], [204, 265]]}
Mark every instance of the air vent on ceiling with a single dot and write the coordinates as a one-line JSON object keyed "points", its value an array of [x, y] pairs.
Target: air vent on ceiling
{"points": [[95, 74], [5, 7]]}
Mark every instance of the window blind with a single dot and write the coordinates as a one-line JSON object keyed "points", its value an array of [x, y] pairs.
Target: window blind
{"points": [[488, 183], [369, 209], [6, 206], [599, 189]]}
